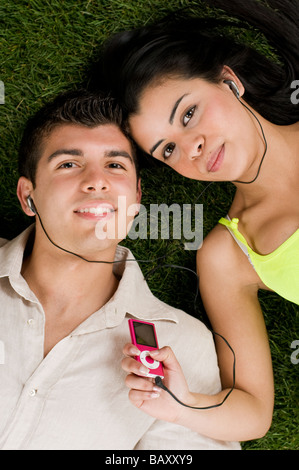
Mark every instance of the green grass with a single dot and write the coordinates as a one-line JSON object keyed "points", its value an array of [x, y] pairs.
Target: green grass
{"points": [[47, 47]]}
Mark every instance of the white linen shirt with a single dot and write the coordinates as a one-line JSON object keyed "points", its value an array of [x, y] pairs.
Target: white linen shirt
{"points": [[75, 398]]}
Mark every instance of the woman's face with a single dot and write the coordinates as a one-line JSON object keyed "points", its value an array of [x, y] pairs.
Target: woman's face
{"points": [[199, 129]]}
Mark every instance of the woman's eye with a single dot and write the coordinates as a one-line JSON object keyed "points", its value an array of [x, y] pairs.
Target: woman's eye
{"points": [[168, 151], [188, 116]]}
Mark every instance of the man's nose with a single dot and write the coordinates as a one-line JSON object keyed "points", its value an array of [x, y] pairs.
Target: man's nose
{"points": [[95, 180]]}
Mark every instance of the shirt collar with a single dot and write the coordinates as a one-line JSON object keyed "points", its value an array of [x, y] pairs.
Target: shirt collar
{"points": [[132, 297], [12, 252], [11, 261]]}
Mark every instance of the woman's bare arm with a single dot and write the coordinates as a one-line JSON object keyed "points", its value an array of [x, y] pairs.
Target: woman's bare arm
{"points": [[229, 288]]}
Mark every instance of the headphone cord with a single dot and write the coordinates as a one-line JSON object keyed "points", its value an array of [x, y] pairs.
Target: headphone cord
{"points": [[92, 261], [158, 380], [265, 151], [159, 383]]}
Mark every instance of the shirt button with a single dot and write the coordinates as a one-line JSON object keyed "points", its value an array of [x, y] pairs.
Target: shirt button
{"points": [[30, 322], [32, 392]]}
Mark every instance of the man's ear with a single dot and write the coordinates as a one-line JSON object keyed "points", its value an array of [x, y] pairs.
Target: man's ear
{"points": [[24, 189], [139, 193]]}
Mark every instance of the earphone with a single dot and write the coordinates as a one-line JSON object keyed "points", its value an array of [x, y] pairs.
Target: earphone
{"points": [[31, 205], [233, 88]]}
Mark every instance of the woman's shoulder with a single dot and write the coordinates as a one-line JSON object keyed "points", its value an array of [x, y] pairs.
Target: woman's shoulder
{"points": [[221, 258]]}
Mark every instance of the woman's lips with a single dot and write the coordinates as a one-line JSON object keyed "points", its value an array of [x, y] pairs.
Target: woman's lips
{"points": [[215, 161]]}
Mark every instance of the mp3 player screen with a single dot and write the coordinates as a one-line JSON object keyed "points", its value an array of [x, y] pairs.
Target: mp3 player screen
{"points": [[145, 334]]}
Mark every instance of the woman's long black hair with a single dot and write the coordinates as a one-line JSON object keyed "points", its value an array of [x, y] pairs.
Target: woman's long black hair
{"points": [[189, 47]]}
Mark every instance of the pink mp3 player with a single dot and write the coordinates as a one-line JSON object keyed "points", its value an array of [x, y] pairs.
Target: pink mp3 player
{"points": [[143, 335]]}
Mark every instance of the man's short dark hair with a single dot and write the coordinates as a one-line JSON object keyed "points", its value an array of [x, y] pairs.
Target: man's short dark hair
{"points": [[80, 107]]}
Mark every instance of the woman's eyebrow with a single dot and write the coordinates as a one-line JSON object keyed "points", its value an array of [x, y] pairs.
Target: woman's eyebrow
{"points": [[176, 104], [171, 119], [155, 146]]}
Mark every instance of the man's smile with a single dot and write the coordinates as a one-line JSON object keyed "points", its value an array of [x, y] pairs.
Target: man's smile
{"points": [[93, 210]]}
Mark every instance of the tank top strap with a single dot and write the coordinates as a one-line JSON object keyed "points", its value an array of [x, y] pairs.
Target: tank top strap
{"points": [[232, 226]]}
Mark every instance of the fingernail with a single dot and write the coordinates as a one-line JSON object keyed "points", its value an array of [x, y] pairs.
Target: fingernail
{"points": [[135, 352], [155, 352], [143, 370], [155, 395]]}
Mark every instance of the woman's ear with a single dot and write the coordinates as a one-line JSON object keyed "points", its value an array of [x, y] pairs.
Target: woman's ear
{"points": [[24, 189], [229, 75]]}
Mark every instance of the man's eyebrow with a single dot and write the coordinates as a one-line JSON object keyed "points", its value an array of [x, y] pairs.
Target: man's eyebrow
{"points": [[118, 153], [171, 119], [73, 152], [79, 153]]}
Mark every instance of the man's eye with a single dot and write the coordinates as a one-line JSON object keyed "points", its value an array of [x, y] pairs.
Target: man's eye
{"points": [[116, 166], [188, 116], [68, 165], [168, 150]]}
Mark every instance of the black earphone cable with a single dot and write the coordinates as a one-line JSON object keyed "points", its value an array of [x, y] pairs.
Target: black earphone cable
{"points": [[266, 146], [92, 261], [158, 380], [159, 383]]}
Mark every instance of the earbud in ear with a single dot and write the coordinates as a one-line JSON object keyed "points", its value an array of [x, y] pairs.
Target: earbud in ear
{"points": [[233, 87], [30, 204]]}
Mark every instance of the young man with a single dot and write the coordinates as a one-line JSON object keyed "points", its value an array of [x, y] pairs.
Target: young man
{"points": [[67, 291]]}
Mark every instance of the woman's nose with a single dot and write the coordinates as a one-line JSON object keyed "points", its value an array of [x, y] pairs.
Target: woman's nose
{"points": [[193, 146]]}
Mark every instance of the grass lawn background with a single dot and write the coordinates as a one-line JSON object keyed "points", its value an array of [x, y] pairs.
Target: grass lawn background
{"points": [[47, 47]]}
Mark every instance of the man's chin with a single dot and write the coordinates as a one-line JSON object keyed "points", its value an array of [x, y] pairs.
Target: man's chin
{"points": [[97, 250]]}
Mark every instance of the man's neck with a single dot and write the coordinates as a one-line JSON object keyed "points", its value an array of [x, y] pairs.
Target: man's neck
{"points": [[69, 289], [68, 283]]}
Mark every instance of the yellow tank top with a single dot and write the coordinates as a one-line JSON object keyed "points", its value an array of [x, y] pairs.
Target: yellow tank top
{"points": [[278, 270]]}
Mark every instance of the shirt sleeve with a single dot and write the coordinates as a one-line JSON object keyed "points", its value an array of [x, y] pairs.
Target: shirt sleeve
{"points": [[166, 436], [3, 241]]}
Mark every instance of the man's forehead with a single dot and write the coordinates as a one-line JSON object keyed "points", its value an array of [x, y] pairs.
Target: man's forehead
{"points": [[76, 138]]}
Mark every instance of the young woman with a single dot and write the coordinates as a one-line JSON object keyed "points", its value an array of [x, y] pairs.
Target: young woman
{"points": [[216, 110]]}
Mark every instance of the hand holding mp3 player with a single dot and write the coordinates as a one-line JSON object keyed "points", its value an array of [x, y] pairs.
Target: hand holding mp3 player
{"points": [[143, 335]]}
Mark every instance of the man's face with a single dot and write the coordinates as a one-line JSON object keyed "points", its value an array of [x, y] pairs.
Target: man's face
{"points": [[85, 185]]}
